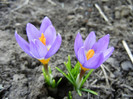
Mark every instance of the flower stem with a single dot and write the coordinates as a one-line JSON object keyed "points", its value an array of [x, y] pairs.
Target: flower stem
{"points": [[46, 68], [81, 74]]}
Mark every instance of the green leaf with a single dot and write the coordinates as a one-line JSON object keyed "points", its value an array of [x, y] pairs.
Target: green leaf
{"points": [[59, 81], [69, 95], [69, 62], [49, 69], [90, 91], [86, 77], [79, 92], [76, 70], [53, 83], [65, 75], [69, 72]]}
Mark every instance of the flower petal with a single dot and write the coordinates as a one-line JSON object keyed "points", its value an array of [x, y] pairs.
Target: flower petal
{"points": [[38, 49], [32, 32], [90, 40], [23, 44], [78, 43], [81, 55], [45, 24], [94, 62], [54, 48], [50, 35], [102, 44], [108, 53]]}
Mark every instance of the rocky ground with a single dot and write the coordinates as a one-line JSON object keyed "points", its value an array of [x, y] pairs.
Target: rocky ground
{"points": [[20, 75]]}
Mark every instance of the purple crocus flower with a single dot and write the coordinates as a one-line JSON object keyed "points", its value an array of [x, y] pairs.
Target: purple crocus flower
{"points": [[92, 54], [43, 43]]}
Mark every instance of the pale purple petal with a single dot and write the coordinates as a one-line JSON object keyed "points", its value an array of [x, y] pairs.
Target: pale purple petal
{"points": [[102, 44], [94, 62], [78, 43], [108, 53], [50, 35], [32, 32], [45, 24], [90, 40], [38, 49], [54, 48], [23, 44], [81, 55]]}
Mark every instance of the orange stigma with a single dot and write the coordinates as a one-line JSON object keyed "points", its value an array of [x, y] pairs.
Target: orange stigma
{"points": [[90, 54], [44, 61], [43, 39]]}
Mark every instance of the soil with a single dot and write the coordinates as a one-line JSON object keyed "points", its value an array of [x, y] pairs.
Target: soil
{"points": [[21, 76]]}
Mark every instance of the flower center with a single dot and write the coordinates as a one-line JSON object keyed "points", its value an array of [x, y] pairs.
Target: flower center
{"points": [[43, 39], [90, 54]]}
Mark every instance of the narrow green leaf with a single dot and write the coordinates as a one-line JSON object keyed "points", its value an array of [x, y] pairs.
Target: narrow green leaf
{"points": [[69, 95], [69, 63], [90, 91], [79, 92], [53, 83], [65, 75], [49, 69], [69, 72], [77, 69], [86, 77], [59, 81]]}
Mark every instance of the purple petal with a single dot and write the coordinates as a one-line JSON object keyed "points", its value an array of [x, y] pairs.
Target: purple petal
{"points": [[23, 44], [45, 24], [90, 40], [102, 44], [81, 55], [108, 53], [78, 43], [38, 49], [50, 35], [32, 32], [54, 48], [94, 62]]}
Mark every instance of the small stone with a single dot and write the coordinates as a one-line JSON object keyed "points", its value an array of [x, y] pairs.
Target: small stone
{"points": [[117, 14], [117, 73], [125, 12], [70, 17], [127, 65], [82, 29], [17, 77]]}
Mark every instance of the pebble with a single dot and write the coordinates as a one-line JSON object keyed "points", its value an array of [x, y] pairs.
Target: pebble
{"points": [[127, 65], [117, 14], [125, 12], [82, 29], [70, 17]]}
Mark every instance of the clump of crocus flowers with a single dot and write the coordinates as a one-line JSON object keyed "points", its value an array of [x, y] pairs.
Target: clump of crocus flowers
{"points": [[44, 43]]}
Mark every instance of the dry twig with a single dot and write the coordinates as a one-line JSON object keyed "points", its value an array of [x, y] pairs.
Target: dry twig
{"points": [[129, 87], [51, 2], [128, 50], [102, 14], [105, 74], [25, 3]]}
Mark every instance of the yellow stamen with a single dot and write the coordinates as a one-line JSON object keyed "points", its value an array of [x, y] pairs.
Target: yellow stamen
{"points": [[90, 54], [43, 39], [44, 61]]}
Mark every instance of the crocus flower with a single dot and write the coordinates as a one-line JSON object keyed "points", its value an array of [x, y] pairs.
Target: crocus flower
{"points": [[92, 54], [42, 43]]}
